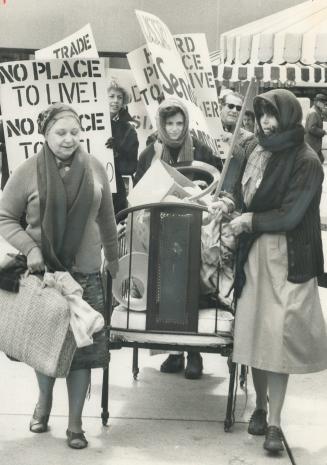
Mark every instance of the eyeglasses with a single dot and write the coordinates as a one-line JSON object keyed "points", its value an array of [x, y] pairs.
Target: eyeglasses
{"points": [[231, 106]]}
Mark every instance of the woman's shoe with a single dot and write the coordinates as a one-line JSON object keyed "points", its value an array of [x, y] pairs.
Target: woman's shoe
{"points": [[76, 440], [39, 423], [274, 440], [258, 423]]}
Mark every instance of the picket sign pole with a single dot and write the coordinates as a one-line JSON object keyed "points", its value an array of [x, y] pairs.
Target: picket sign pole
{"points": [[219, 182], [234, 140]]}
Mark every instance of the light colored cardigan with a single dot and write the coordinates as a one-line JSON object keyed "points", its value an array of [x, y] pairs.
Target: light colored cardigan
{"points": [[21, 195]]}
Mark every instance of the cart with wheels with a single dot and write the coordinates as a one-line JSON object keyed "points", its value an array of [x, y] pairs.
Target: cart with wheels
{"points": [[157, 292]]}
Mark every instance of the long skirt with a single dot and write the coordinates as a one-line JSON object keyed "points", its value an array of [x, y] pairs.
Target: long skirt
{"points": [[279, 325], [97, 354]]}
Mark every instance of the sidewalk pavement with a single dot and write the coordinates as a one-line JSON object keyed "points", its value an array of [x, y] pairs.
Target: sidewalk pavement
{"points": [[159, 419]]}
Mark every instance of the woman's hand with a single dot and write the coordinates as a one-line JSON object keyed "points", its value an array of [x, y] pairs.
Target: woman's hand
{"points": [[242, 223], [35, 262], [226, 136], [121, 230], [112, 267]]}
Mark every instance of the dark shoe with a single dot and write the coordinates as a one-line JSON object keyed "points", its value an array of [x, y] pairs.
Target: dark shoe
{"points": [[173, 364], [258, 423], [274, 440], [39, 423], [76, 440], [194, 366]]}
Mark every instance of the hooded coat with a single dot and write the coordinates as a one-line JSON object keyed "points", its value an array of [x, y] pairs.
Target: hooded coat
{"points": [[287, 200]]}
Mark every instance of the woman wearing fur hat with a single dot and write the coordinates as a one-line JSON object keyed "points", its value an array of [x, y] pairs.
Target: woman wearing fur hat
{"points": [[279, 325], [124, 141]]}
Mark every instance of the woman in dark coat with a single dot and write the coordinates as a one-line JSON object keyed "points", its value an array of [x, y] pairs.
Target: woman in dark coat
{"points": [[124, 141], [279, 325]]}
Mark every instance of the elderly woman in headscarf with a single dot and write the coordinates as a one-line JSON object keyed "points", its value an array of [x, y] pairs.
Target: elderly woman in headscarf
{"points": [[175, 145], [124, 141], [66, 197], [279, 325]]}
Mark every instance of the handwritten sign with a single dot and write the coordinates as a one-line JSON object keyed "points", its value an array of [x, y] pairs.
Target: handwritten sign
{"points": [[147, 80], [171, 73], [193, 50], [79, 44], [29, 87]]}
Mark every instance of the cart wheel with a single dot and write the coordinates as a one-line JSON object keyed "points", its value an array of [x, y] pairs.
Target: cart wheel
{"points": [[135, 374], [105, 417]]}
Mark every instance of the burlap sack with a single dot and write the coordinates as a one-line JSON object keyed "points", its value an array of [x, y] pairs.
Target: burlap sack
{"points": [[34, 327]]}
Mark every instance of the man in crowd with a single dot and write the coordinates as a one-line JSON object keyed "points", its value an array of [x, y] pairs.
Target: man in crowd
{"points": [[231, 105], [314, 131], [249, 120]]}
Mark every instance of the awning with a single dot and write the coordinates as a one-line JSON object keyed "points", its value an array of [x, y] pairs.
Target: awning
{"points": [[273, 75], [286, 48]]}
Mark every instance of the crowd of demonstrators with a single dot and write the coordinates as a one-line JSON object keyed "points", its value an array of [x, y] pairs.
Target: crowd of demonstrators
{"points": [[66, 196], [174, 145], [314, 131], [276, 180], [279, 325], [124, 141]]}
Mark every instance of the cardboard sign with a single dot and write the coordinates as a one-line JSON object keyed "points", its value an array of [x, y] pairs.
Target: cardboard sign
{"points": [[149, 86], [79, 44], [171, 73], [29, 87], [136, 107], [193, 50]]}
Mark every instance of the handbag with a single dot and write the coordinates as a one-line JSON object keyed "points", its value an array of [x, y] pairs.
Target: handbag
{"points": [[34, 327]]}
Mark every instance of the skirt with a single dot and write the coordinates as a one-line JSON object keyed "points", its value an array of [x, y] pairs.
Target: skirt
{"points": [[279, 325], [97, 354]]}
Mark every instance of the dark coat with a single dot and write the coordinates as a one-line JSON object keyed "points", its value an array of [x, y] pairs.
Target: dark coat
{"points": [[314, 130], [125, 147], [287, 200], [201, 152]]}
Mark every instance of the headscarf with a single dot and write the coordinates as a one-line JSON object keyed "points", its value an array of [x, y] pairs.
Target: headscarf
{"points": [[288, 112], [48, 117], [65, 202], [184, 142]]}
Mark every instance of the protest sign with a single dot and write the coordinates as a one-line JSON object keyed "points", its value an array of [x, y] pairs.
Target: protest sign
{"points": [[149, 87], [193, 50], [79, 44], [29, 87], [136, 107], [170, 71]]}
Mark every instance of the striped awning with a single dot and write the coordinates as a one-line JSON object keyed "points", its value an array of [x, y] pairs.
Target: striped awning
{"points": [[286, 48], [274, 75]]}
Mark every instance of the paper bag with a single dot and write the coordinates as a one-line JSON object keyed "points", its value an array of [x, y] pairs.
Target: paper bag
{"points": [[159, 181]]}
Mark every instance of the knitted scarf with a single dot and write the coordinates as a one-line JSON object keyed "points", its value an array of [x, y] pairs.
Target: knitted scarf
{"points": [[65, 205], [184, 142], [284, 146]]}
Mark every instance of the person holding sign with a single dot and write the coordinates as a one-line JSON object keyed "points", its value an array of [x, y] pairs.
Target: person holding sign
{"points": [[124, 141], [176, 145], [279, 325], [65, 195]]}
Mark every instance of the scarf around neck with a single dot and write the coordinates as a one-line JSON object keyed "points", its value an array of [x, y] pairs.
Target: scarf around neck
{"points": [[65, 204], [271, 190], [184, 143]]}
